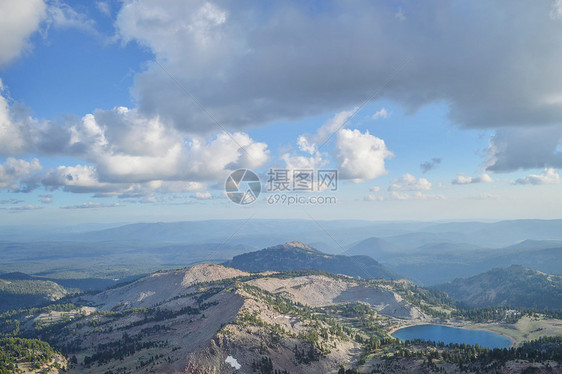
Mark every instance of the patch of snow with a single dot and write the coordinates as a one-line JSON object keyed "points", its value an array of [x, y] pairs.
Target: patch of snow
{"points": [[233, 362]]}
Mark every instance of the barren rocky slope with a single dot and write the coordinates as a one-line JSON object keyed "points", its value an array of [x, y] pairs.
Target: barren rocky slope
{"points": [[211, 318], [215, 319]]}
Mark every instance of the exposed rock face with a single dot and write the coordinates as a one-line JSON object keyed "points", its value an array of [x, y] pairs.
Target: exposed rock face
{"points": [[161, 286], [317, 290]]}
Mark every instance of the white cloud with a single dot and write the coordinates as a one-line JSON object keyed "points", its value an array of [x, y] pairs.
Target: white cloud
{"points": [[310, 144], [12, 137], [305, 145], [408, 182], [14, 173], [360, 155], [484, 178], [375, 189], [18, 20], [79, 178], [383, 113], [122, 147], [524, 148], [260, 63], [465, 179], [548, 176], [203, 195], [462, 179]]}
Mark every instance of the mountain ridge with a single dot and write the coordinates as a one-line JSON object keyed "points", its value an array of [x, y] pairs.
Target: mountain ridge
{"points": [[515, 286], [299, 256]]}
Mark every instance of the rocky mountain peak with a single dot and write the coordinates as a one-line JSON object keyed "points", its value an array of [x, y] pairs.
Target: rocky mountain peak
{"points": [[299, 245]]}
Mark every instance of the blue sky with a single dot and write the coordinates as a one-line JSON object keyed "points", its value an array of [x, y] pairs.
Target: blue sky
{"points": [[99, 120]]}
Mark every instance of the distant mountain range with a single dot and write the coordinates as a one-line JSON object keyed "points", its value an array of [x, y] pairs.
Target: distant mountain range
{"points": [[263, 232], [515, 286], [433, 262], [299, 256], [428, 252]]}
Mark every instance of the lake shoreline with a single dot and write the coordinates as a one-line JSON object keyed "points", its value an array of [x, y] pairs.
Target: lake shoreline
{"points": [[458, 325]]}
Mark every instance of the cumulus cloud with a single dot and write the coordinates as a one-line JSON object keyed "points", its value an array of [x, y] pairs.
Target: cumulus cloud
{"points": [[128, 147], [548, 176], [431, 164], [18, 20], [121, 148], [252, 64], [408, 182], [465, 179], [12, 134], [360, 155], [19, 175], [79, 178], [256, 63], [296, 162], [310, 143], [525, 148], [249, 70]]}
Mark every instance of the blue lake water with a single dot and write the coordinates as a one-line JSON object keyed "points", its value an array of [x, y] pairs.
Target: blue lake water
{"points": [[448, 335]]}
